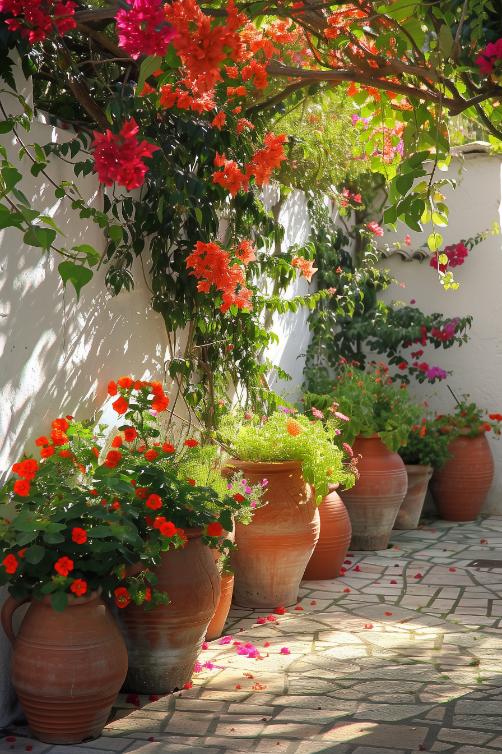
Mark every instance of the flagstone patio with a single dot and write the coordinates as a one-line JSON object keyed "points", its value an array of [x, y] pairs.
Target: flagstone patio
{"points": [[401, 654]]}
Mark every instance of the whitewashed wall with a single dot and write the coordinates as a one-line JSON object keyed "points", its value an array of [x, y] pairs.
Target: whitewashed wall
{"points": [[477, 366]]}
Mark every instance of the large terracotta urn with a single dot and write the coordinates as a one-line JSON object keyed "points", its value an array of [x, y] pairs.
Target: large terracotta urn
{"points": [[274, 549], [215, 628], [67, 667], [411, 507], [334, 539], [164, 643], [460, 486], [375, 499]]}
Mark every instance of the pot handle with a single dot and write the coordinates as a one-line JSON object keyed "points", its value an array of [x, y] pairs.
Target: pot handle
{"points": [[9, 607]]}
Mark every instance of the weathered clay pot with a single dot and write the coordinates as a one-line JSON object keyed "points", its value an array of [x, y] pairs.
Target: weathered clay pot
{"points": [[375, 499], [411, 507], [215, 628], [67, 667], [274, 549], [334, 539], [460, 486], [163, 643]]}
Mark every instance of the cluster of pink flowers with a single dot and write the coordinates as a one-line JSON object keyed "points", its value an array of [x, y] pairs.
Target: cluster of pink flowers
{"points": [[38, 18], [488, 58], [456, 253], [349, 197], [119, 157], [142, 28], [448, 331]]}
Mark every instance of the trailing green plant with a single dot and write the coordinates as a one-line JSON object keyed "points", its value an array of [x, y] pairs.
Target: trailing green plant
{"points": [[370, 403], [287, 435], [426, 445]]}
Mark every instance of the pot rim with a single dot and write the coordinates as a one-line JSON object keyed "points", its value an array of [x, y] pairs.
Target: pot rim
{"points": [[419, 466], [265, 466]]}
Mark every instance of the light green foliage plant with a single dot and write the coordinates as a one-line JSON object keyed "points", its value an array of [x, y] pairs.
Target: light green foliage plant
{"points": [[292, 437]]}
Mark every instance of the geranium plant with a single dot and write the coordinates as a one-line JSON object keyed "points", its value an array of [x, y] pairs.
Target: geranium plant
{"points": [[468, 420], [426, 445], [289, 436], [83, 514], [373, 402]]}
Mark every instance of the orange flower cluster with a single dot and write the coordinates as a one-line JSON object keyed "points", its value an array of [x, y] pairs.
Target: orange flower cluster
{"points": [[306, 267], [213, 266], [159, 401], [260, 167]]}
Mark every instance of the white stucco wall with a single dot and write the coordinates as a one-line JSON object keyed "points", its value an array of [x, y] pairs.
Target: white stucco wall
{"points": [[477, 366]]}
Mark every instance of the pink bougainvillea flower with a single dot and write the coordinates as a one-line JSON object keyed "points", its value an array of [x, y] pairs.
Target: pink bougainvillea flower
{"points": [[285, 651], [418, 576], [280, 610], [118, 158], [298, 607], [225, 639], [197, 667], [313, 602], [387, 612], [375, 228], [205, 645], [261, 620], [142, 28], [346, 590], [452, 570], [488, 57], [393, 581], [368, 625], [407, 239]]}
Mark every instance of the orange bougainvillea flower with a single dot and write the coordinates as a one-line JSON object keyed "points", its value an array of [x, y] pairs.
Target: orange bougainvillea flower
{"points": [[306, 267], [293, 428], [64, 566], [120, 405]]}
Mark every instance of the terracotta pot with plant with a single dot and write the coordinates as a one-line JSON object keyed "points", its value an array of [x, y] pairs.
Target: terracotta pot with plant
{"points": [[334, 539], [461, 485], [425, 450], [181, 490], [295, 455], [76, 527], [381, 417]]}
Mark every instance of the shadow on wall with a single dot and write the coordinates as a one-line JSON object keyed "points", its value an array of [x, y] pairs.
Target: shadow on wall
{"points": [[57, 354]]}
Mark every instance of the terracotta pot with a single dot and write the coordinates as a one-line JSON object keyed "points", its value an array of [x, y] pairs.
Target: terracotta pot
{"points": [[67, 667], [374, 501], [274, 549], [334, 539], [163, 643], [215, 628], [460, 486], [411, 508]]}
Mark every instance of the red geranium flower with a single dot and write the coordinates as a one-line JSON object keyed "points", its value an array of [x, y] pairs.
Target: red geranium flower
{"points": [[113, 457], [61, 424], [214, 529], [10, 563], [78, 587], [78, 535], [22, 487], [154, 502], [41, 441], [112, 388], [117, 441], [191, 443], [122, 596], [168, 447], [130, 434], [151, 454], [48, 451], [63, 566], [120, 405]]}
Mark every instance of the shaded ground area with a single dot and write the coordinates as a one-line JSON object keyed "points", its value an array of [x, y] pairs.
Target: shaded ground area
{"points": [[401, 654]]}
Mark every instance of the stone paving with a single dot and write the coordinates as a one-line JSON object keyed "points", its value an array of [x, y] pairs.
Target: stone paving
{"points": [[401, 654]]}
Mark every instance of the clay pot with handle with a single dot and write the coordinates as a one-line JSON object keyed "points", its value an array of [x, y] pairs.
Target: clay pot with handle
{"points": [[274, 549], [67, 667]]}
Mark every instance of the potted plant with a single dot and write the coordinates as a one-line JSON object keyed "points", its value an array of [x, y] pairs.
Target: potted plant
{"points": [[164, 645], [67, 546], [425, 450], [298, 457], [461, 485], [381, 417]]}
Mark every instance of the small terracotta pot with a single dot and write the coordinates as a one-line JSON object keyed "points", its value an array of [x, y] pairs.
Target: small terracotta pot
{"points": [[374, 501], [460, 486], [411, 507], [274, 549], [67, 667], [334, 539], [164, 643], [215, 628]]}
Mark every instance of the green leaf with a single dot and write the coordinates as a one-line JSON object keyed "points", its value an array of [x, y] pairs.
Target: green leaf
{"points": [[148, 66], [116, 233], [34, 554], [6, 125], [434, 241], [445, 41], [76, 274], [59, 600], [11, 177], [41, 237], [404, 183], [99, 532], [25, 537], [53, 538], [9, 219], [93, 256]]}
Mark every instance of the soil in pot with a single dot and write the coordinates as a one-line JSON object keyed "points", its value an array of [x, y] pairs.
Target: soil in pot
{"points": [[374, 501], [274, 549], [164, 643], [413, 503], [460, 486], [67, 667], [334, 539]]}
